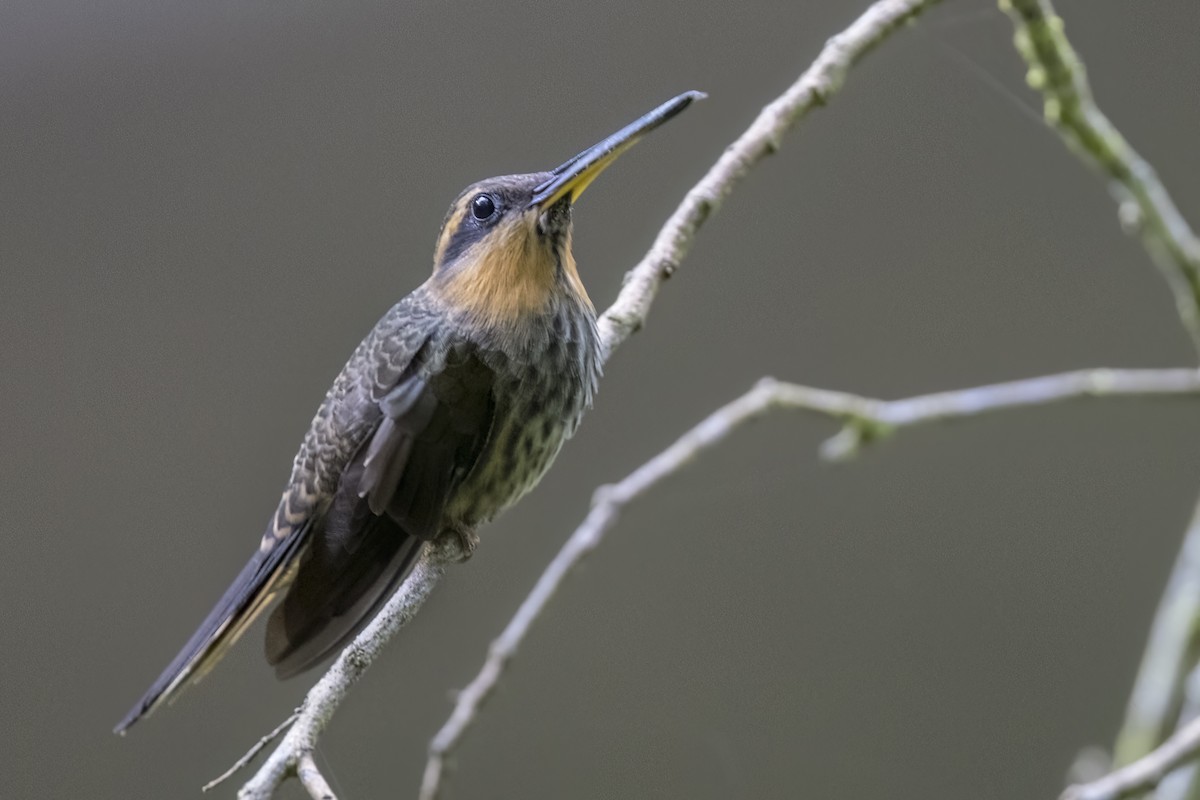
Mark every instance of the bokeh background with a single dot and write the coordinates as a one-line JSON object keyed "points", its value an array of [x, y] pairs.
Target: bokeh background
{"points": [[206, 205]]}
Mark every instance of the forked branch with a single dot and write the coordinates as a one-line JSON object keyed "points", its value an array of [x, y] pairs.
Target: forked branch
{"points": [[1145, 773], [865, 418], [1145, 206]]}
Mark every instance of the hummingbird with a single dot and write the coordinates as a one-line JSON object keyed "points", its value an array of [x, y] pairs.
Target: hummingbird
{"points": [[449, 411]]}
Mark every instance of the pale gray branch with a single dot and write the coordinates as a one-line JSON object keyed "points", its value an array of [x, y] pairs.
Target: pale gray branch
{"points": [[867, 417], [606, 506], [1170, 655], [1181, 783], [626, 315], [312, 779], [321, 701], [1144, 203], [820, 82], [1146, 772]]}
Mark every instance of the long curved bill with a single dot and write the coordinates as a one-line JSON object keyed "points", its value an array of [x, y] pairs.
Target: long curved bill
{"points": [[577, 174]]}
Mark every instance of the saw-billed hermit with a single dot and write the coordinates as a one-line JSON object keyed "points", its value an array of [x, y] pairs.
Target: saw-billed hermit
{"points": [[449, 411]]}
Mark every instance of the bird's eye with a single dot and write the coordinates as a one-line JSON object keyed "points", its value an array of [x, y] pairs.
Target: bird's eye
{"points": [[483, 207]]}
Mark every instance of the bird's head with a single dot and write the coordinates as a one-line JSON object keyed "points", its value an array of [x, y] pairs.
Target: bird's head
{"points": [[505, 246]]}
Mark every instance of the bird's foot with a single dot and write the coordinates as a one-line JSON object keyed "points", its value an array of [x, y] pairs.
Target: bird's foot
{"points": [[466, 539]]}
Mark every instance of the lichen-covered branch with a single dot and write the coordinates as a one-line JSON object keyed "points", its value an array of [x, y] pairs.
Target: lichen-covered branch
{"points": [[625, 316], [1144, 203], [868, 418]]}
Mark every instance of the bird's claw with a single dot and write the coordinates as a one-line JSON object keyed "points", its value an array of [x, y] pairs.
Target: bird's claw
{"points": [[467, 541]]}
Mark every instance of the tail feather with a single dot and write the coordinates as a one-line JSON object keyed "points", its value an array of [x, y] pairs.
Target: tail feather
{"points": [[336, 592], [264, 575]]}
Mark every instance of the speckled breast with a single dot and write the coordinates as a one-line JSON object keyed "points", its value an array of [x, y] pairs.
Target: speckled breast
{"points": [[543, 386]]}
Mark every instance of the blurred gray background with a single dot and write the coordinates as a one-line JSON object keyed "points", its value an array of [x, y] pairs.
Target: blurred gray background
{"points": [[206, 205]]}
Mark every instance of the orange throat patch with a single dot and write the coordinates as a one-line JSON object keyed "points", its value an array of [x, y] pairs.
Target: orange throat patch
{"points": [[510, 275]]}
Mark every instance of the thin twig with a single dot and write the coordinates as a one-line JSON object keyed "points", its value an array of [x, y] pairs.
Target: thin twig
{"points": [[626, 315], [1144, 204], [867, 417], [1146, 772], [321, 701], [251, 753]]}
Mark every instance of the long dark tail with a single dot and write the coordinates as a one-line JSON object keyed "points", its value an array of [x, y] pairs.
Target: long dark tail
{"points": [[337, 590], [248, 595]]}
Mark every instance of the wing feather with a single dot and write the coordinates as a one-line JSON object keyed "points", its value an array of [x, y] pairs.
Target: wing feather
{"points": [[391, 498]]}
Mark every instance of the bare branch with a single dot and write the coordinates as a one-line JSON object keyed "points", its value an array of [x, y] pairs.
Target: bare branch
{"points": [[862, 415], [868, 419], [1181, 783], [1144, 204], [626, 315], [1146, 772], [321, 701], [312, 779], [606, 506], [813, 89], [1170, 655]]}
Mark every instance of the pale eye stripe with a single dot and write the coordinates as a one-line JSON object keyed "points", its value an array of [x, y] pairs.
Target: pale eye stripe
{"points": [[453, 222]]}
